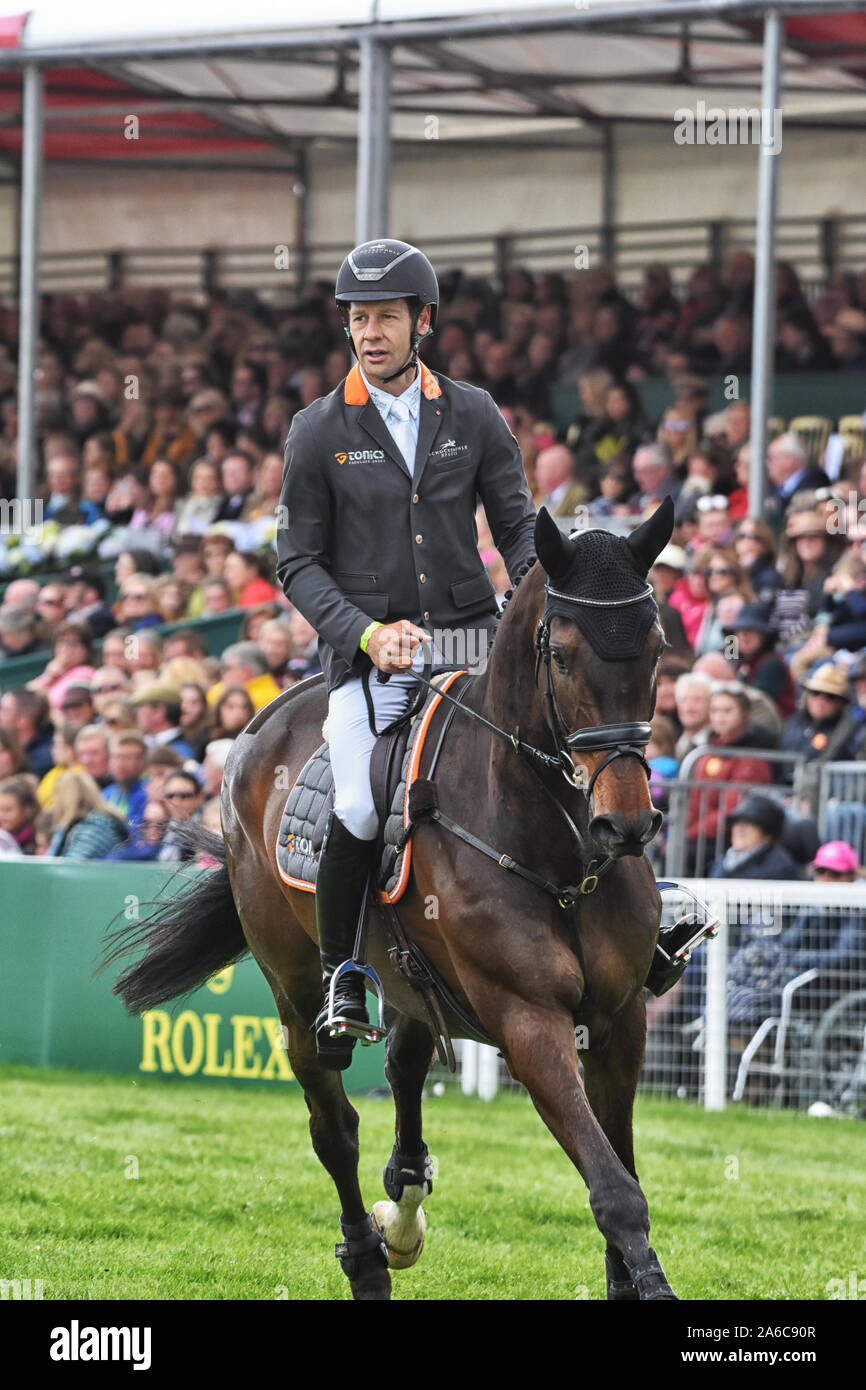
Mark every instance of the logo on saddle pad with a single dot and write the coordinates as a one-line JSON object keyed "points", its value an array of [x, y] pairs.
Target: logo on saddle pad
{"points": [[360, 456]]}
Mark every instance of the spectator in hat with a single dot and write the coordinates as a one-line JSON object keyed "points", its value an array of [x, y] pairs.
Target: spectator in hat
{"points": [[819, 729], [664, 576], [157, 710], [88, 601], [755, 660], [807, 556], [757, 825]]}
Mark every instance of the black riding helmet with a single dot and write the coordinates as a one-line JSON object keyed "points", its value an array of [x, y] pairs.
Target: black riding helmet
{"points": [[389, 269]]}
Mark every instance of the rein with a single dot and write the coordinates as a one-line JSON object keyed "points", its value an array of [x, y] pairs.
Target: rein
{"points": [[627, 739]]}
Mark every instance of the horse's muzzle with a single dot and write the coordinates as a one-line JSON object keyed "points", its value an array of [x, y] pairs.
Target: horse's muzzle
{"points": [[617, 836]]}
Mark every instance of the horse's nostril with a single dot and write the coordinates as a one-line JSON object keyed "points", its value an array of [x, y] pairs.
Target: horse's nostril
{"points": [[617, 835]]}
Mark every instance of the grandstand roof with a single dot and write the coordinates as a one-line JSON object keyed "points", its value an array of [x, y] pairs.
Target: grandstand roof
{"points": [[205, 89]]}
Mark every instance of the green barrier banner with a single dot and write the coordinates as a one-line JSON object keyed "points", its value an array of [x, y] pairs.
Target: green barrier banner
{"points": [[53, 1012]]}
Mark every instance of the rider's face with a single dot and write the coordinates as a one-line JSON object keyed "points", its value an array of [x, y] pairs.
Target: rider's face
{"points": [[381, 333]]}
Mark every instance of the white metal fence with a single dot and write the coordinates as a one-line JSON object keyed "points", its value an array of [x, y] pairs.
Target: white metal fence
{"points": [[770, 1013]]}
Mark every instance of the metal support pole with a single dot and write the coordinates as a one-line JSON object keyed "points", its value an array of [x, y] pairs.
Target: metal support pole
{"points": [[608, 195], [374, 141], [764, 309], [716, 1029], [28, 297], [301, 191]]}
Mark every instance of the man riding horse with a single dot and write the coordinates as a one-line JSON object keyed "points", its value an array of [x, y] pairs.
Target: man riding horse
{"points": [[378, 550]]}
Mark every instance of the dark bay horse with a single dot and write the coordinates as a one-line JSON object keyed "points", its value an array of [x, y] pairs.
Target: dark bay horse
{"points": [[576, 649]]}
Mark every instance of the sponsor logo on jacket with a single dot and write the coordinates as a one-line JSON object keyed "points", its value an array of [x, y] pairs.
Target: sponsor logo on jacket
{"points": [[359, 456], [449, 450]]}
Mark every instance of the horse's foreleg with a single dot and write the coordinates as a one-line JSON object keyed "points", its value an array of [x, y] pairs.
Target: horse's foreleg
{"points": [[541, 1053], [334, 1132], [408, 1176], [611, 1075]]}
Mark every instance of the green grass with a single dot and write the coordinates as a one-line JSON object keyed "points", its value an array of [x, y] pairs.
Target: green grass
{"points": [[230, 1202]]}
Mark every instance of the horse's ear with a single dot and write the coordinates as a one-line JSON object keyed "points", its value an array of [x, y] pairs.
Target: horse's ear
{"points": [[649, 539], [553, 550]]}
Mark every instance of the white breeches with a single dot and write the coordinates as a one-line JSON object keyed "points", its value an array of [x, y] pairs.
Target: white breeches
{"points": [[352, 742]]}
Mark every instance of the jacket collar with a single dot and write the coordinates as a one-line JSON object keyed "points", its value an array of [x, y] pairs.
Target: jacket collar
{"points": [[355, 389]]}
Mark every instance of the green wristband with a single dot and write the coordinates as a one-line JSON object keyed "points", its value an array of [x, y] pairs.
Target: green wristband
{"points": [[367, 634]]}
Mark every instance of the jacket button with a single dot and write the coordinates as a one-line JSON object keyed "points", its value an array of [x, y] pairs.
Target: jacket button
{"points": [[418, 539], [423, 578], [426, 617], [416, 498]]}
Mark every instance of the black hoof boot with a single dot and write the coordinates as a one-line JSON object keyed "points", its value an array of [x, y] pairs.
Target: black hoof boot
{"points": [[620, 1286], [650, 1281], [363, 1256]]}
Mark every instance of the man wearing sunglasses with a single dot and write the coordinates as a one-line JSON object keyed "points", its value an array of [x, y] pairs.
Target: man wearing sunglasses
{"points": [[184, 796]]}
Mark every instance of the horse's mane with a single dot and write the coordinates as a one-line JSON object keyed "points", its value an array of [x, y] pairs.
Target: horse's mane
{"points": [[521, 574]]}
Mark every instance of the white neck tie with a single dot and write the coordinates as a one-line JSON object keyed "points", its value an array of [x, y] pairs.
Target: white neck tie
{"points": [[400, 425]]}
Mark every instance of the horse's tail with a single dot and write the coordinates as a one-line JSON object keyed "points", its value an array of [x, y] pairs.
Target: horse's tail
{"points": [[186, 939]]}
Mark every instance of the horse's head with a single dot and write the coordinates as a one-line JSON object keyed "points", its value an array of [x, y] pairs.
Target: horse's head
{"points": [[599, 641]]}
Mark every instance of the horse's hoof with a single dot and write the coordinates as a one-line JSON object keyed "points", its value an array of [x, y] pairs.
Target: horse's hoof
{"points": [[372, 1286], [403, 1226]]}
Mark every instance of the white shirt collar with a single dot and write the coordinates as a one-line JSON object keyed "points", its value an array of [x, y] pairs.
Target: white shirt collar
{"points": [[383, 400]]}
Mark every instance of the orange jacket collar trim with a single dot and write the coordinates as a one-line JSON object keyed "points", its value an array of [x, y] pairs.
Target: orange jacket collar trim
{"points": [[355, 391]]}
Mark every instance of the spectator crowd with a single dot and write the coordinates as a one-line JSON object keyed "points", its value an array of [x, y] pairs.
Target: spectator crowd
{"points": [[161, 426]]}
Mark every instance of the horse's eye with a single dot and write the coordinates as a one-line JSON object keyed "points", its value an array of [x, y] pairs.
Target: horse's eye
{"points": [[559, 660]]}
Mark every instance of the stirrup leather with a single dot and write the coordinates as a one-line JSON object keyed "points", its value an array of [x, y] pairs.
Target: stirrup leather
{"points": [[338, 1026]]}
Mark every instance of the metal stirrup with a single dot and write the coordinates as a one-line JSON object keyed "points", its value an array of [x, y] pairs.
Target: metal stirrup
{"points": [[367, 1033]]}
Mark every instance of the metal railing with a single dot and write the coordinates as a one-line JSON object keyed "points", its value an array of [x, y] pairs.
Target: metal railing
{"points": [[696, 856], [817, 246], [793, 1038]]}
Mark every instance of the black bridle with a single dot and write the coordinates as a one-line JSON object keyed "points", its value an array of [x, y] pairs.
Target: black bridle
{"points": [[618, 740]]}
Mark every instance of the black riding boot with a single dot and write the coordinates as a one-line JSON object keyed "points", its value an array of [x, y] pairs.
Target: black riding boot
{"points": [[344, 866]]}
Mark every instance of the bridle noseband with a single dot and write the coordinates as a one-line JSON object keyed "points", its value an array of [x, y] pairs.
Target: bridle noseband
{"points": [[618, 740]]}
